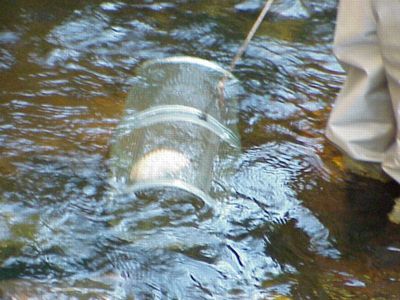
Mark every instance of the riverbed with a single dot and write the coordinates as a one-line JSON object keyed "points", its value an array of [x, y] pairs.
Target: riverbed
{"points": [[297, 224]]}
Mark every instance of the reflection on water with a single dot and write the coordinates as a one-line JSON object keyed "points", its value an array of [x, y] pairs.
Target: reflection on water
{"points": [[295, 224]]}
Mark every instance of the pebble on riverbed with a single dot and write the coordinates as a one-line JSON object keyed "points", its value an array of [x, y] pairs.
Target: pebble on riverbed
{"points": [[394, 215]]}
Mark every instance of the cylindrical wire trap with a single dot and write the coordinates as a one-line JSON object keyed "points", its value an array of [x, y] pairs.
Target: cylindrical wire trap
{"points": [[175, 126]]}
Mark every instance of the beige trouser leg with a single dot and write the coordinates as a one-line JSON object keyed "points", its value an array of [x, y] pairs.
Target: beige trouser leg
{"points": [[388, 20], [367, 44]]}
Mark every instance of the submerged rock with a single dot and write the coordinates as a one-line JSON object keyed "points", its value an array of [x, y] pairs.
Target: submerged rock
{"points": [[288, 9], [249, 6], [293, 9]]}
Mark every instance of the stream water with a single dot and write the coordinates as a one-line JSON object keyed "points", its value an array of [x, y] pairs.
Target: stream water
{"points": [[297, 225]]}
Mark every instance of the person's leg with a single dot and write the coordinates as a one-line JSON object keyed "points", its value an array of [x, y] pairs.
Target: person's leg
{"points": [[361, 122], [388, 23], [387, 14]]}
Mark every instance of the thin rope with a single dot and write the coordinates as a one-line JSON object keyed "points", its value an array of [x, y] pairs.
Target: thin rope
{"points": [[243, 48], [250, 35]]}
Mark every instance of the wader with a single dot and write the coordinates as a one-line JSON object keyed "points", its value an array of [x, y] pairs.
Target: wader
{"points": [[365, 118]]}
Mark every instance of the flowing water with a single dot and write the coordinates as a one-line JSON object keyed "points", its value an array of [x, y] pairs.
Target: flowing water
{"points": [[296, 223]]}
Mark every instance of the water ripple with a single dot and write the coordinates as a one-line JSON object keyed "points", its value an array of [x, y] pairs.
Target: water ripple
{"points": [[283, 221]]}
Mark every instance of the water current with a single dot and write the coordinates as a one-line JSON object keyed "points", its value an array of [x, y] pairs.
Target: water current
{"points": [[296, 224]]}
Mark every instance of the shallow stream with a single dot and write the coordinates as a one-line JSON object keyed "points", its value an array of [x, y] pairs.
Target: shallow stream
{"points": [[297, 225]]}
